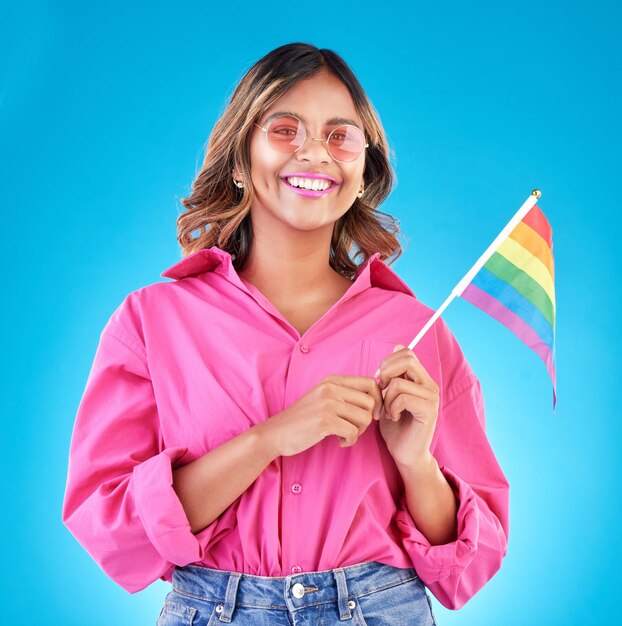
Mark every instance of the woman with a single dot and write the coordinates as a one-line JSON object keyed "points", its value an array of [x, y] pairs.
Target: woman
{"points": [[256, 431]]}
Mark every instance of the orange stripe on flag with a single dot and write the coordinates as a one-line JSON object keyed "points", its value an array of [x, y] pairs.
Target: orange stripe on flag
{"points": [[532, 242]]}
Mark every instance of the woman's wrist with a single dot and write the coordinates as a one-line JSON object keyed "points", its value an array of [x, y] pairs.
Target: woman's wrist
{"points": [[266, 441], [420, 465]]}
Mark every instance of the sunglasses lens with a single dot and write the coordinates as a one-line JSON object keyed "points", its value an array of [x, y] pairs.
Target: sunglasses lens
{"points": [[286, 134], [346, 143]]}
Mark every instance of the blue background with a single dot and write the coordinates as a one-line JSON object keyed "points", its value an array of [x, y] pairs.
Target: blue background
{"points": [[104, 113]]}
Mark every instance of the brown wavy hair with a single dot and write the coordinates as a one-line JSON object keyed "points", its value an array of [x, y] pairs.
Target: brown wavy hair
{"points": [[217, 202]]}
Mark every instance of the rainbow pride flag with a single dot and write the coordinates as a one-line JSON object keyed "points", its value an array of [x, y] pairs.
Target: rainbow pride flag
{"points": [[516, 286], [513, 281]]}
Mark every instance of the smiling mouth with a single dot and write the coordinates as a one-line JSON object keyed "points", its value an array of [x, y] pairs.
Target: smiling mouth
{"points": [[310, 193]]}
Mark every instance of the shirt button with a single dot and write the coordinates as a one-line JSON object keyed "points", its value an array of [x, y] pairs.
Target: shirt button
{"points": [[296, 569], [304, 348], [298, 590], [296, 488]]}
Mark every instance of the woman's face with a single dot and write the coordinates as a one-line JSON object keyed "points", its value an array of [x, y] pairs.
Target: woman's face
{"points": [[315, 101]]}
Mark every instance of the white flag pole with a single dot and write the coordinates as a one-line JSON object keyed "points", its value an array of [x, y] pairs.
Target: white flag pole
{"points": [[468, 277]]}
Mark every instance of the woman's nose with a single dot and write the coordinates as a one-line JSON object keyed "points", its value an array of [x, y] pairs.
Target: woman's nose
{"points": [[314, 149]]}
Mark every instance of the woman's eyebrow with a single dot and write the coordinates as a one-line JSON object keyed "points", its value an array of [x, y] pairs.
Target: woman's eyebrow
{"points": [[331, 122]]}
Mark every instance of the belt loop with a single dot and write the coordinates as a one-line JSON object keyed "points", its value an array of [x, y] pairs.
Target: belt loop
{"points": [[342, 591], [230, 596]]}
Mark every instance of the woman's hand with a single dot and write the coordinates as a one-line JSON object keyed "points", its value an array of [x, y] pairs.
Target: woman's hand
{"points": [[410, 407], [337, 405]]}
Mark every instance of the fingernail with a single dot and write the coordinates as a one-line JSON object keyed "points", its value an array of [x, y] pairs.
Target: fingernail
{"points": [[377, 374]]}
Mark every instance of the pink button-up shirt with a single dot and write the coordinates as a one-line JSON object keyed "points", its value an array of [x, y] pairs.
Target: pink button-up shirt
{"points": [[183, 366]]}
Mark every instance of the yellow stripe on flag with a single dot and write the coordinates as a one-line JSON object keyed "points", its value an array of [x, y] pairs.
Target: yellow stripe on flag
{"points": [[532, 241], [530, 264]]}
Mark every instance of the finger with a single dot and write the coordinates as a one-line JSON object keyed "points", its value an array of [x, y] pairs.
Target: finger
{"points": [[376, 393], [419, 407], [393, 408], [344, 405], [354, 409], [346, 432], [403, 362], [407, 390], [350, 421], [361, 383], [403, 386], [365, 384], [415, 406]]}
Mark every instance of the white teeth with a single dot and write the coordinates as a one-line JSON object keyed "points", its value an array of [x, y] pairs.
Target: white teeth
{"points": [[316, 184]]}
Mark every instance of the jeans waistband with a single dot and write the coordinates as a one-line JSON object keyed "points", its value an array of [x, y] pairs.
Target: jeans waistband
{"points": [[288, 592]]}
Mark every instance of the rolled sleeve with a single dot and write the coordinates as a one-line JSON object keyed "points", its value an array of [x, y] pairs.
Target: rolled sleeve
{"points": [[454, 572], [119, 500], [434, 563], [161, 512]]}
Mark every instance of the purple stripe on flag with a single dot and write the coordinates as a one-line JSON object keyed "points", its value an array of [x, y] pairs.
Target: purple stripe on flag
{"points": [[513, 322]]}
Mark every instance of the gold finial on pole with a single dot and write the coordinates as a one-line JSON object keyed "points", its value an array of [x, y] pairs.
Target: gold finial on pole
{"points": [[536, 193]]}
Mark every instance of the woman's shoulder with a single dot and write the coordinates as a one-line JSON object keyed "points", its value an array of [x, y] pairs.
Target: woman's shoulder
{"points": [[157, 301]]}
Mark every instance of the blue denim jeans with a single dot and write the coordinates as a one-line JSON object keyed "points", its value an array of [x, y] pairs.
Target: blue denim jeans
{"points": [[366, 594]]}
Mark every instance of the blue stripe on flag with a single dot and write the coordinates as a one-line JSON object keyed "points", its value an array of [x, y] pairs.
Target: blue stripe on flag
{"points": [[515, 302]]}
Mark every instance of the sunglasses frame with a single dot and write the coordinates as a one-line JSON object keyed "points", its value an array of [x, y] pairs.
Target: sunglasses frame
{"points": [[307, 136]]}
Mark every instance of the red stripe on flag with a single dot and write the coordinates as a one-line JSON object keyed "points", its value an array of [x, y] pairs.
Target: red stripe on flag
{"points": [[536, 220]]}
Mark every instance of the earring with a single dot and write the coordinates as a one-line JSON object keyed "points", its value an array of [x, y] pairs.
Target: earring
{"points": [[360, 193], [238, 183]]}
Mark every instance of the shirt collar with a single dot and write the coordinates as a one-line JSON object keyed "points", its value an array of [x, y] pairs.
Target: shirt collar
{"points": [[373, 273]]}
